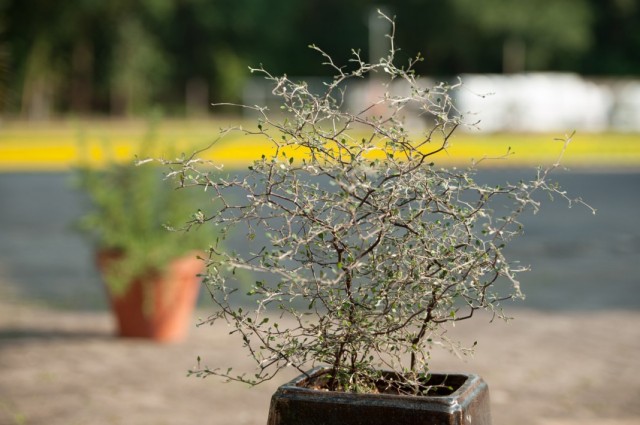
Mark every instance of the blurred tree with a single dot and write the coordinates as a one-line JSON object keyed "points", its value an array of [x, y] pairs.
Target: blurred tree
{"points": [[125, 56], [535, 34], [139, 69], [32, 55], [4, 58], [447, 42], [616, 49], [52, 54]]}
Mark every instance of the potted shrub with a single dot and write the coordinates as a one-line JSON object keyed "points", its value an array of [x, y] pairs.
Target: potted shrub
{"points": [[362, 250], [150, 271]]}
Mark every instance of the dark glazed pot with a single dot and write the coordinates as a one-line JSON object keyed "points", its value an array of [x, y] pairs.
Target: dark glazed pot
{"points": [[293, 404]]}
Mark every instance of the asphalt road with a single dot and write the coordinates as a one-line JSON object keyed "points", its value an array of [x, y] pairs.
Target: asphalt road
{"points": [[579, 261]]}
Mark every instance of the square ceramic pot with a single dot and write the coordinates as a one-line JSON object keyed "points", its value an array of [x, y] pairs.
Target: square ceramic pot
{"points": [[295, 404]]}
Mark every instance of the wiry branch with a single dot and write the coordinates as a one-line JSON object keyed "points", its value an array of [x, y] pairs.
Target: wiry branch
{"points": [[358, 247]]}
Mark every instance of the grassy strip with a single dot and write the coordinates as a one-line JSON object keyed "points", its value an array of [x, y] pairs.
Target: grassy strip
{"points": [[61, 146]]}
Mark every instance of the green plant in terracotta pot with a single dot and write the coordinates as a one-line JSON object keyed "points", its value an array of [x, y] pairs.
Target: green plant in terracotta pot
{"points": [[150, 270], [363, 249]]}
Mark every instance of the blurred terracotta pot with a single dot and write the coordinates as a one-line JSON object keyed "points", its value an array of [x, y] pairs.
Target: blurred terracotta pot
{"points": [[158, 306]]}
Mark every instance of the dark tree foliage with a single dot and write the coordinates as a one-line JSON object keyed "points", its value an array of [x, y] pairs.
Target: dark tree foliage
{"points": [[616, 39], [92, 56]]}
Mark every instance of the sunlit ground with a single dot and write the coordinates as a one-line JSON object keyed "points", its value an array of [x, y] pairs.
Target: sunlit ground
{"points": [[61, 145]]}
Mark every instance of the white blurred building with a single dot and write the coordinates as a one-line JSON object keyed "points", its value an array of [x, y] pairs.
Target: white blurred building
{"points": [[540, 102], [530, 102]]}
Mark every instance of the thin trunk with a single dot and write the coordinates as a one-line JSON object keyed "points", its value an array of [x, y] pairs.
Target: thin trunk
{"points": [[82, 77]]}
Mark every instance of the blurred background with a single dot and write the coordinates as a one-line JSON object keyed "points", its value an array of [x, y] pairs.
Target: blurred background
{"points": [[124, 57], [94, 73]]}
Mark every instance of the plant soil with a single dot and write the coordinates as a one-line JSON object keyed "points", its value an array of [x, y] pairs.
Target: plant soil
{"points": [[433, 385]]}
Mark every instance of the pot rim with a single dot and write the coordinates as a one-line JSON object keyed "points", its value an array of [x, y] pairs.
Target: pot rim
{"points": [[457, 400]]}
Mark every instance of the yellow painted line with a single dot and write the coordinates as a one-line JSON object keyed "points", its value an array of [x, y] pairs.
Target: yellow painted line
{"points": [[585, 150], [62, 147]]}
